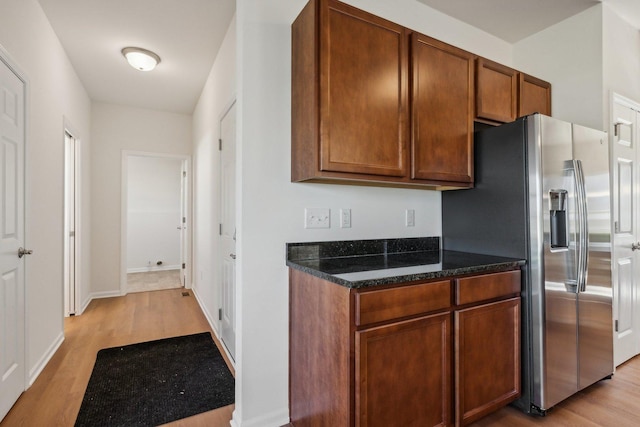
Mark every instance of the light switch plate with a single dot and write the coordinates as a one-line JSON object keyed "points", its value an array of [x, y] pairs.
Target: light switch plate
{"points": [[317, 218], [345, 218], [410, 216]]}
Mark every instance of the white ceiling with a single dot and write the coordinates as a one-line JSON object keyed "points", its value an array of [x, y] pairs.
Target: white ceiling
{"points": [[188, 33], [514, 20]]}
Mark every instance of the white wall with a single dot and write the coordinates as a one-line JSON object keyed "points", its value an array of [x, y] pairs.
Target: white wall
{"points": [[271, 208], [153, 212], [116, 128], [569, 56], [55, 93], [621, 56]]}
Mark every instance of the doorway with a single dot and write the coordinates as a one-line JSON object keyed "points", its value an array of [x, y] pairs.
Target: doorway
{"points": [[13, 112], [228, 231], [71, 216], [155, 229]]}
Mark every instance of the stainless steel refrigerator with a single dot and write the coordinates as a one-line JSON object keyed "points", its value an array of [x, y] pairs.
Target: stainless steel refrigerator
{"points": [[542, 194]]}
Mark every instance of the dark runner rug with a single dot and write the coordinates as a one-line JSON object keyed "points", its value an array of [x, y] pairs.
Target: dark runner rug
{"points": [[156, 382]]}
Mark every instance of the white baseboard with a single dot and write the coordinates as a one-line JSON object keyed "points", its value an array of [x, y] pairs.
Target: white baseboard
{"points": [[104, 294], [210, 319], [213, 324], [84, 305], [46, 357], [153, 268], [97, 295], [272, 419]]}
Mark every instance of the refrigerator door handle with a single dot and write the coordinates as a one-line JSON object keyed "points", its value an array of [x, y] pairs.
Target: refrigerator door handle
{"points": [[583, 228]]}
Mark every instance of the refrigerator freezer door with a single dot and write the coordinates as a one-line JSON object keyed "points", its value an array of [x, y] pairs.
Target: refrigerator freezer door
{"points": [[595, 338], [558, 364]]}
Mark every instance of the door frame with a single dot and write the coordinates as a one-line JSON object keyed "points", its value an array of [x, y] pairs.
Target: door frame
{"points": [[124, 193], [8, 60], [68, 129]]}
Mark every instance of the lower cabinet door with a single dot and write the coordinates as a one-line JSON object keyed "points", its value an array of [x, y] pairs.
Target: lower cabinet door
{"points": [[403, 373], [487, 359]]}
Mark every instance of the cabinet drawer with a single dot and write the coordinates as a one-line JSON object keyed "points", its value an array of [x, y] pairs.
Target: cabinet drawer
{"points": [[488, 286], [387, 304]]}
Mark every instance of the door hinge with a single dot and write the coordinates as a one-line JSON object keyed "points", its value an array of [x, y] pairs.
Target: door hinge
{"points": [[616, 326], [184, 265], [615, 129], [219, 314], [220, 231], [184, 219], [184, 174], [220, 144]]}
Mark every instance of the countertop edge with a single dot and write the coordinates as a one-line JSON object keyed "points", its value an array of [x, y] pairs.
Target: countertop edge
{"points": [[392, 280]]}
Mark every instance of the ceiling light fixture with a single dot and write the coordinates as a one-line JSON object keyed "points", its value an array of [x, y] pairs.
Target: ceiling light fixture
{"points": [[141, 59]]}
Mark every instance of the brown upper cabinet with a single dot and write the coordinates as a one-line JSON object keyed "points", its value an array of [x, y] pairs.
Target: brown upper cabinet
{"points": [[375, 103], [349, 95], [441, 111], [496, 91], [504, 94], [351, 107], [535, 96]]}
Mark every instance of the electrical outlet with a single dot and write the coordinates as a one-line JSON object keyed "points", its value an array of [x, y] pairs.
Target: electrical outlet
{"points": [[317, 218], [345, 218], [410, 217]]}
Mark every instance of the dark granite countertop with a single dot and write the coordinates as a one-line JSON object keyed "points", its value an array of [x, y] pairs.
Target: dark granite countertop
{"points": [[366, 263]]}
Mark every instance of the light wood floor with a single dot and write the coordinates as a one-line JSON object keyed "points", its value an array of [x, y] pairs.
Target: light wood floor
{"points": [[55, 398], [608, 403]]}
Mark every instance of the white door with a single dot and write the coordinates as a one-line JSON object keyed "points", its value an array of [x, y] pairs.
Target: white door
{"points": [[626, 270], [70, 225], [228, 228], [183, 225], [12, 124]]}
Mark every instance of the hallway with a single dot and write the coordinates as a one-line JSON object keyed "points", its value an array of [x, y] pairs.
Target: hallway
{"points": [[55, 398]]}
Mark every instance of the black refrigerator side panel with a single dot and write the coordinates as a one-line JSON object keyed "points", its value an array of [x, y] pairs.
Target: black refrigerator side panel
{"points": [[492, 217]]}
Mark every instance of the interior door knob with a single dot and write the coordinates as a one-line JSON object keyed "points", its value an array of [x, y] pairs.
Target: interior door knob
{"points": [[635, 246], [233, 256], [22, 252]]}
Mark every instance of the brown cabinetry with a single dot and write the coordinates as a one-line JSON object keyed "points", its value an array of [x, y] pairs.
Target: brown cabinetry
{"points": [[504, 94], [535, 96], [487, 358], [363, 89], [487, 344], [349, 95], [496, 92], [375, 103], [441, 111], [442, 352], [394, 303], [351, 107], [403, 373]]}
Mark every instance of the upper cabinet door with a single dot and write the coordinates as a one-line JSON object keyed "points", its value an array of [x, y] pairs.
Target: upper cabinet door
{"points": [[535, 96], [442, 111], [363, 90], [496, 91]]}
